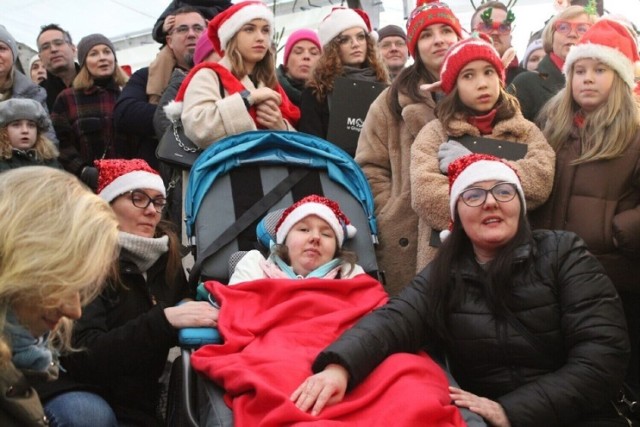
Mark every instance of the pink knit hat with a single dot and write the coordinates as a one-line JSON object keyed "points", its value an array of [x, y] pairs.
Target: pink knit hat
{"points": [[204, 48], [296, 36], [320, 206], [228, 22], [463, 52]]}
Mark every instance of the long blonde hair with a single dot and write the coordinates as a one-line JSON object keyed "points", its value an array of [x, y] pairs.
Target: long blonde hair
{"points": [[264, 71], [329, 66], [45, 149], [607, 131], [56, 238]]}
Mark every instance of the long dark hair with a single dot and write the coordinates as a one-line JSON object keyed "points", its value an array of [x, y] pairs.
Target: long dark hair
{"points": [[446, 288], [408, 83]]}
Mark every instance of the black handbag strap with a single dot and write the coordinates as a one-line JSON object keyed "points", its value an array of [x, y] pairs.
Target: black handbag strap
{"points": [[540, 346], [246, 219]]}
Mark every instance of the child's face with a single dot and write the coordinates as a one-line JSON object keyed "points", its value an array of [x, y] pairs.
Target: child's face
{"points": [[253, 41], [591, 82], [479, 86], [311, 243], [22, 134]]}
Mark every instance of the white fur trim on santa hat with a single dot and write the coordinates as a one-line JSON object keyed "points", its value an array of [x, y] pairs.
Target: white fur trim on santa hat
{"points": [[247, 14], [320, 210], [338, 21], [609, 55], [483, 170], [133, 181]]}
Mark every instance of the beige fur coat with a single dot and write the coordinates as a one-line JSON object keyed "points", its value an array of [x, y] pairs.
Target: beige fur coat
{"points": [[384, 154], [430, 188]]}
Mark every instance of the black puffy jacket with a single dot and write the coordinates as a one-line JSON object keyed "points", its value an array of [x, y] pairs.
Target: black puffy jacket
{"points": [[560, 294], [127, 338]]}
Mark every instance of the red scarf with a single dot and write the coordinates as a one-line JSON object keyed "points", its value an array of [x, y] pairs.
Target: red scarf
{"points": [[483, 123], [578, 119], [557, 61], [232, 85]]}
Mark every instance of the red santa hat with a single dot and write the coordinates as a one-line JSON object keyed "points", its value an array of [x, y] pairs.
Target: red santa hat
{"points": [[610, 42], [228, 22], [117, 176], [341, 19], [321, 207], [426, 13], [463, 52], [472, 168]]}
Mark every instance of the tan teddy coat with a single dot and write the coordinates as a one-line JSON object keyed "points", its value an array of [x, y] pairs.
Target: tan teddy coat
{"points": [[384, 154], [430, 188]]}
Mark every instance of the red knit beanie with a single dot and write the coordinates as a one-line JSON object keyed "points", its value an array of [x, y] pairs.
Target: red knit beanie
{"points": [[463, 52], [428, 12]]}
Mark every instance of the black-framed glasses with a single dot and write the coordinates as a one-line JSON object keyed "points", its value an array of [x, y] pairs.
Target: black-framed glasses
{"points": [[475, 196], [142, 200], [184, 29]]}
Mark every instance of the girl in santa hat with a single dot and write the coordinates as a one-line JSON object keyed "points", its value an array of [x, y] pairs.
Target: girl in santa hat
{"points": [[593, 124], [392, 123], [350, 51], [309, 238], [240, 92], [475, 103]]}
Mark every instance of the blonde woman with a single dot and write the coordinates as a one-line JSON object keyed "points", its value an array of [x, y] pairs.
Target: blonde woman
{"points": [[594, 127], [82, 115], [58, 242], [534, 88]]}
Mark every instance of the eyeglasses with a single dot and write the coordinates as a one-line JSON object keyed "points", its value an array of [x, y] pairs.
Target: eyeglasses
{"points": [[503, 192], [358, 38], [387, 44], [499, 27], [55, 43], [184, 29], [565, 27], [142, 200]]}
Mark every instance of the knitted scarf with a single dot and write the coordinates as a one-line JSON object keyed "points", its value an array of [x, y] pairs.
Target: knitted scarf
{"points": [[28, 352], [142, 251], [484, 123], [232, 85]]}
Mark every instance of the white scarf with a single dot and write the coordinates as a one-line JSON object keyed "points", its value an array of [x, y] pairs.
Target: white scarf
{"points": [[142, 251]]}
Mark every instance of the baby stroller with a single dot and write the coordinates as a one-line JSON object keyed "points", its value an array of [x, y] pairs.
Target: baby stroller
{"points": [[237, 182], [233, 185]]}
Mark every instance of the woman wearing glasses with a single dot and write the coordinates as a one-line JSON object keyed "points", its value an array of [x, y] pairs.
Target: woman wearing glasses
{"points": [[533, 330], [348, 51], [82, 115], [534, 88], [129, 329]]}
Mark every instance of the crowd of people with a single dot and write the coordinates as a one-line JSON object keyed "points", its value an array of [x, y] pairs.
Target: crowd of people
{"points": [[506, 191]]}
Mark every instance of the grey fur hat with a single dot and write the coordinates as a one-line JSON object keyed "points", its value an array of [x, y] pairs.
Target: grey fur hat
{"points": [[8, 39], [90, 41], [24, 108]]}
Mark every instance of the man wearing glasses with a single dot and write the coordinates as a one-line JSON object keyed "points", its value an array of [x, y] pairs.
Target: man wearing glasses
{"points": [[57, 53], [392, 43], [494, 19]]}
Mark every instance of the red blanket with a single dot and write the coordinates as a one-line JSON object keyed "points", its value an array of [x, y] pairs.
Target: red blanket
{"points": [[273, 329]]}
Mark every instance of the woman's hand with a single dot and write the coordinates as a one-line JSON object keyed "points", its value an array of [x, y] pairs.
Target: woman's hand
{"points": [[324, 388], [192, 314], [263, 94], [491, 411], [168, 24], [268, 114]]}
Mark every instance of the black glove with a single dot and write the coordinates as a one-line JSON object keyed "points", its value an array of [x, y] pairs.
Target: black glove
{"points": [[89, 176]]}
